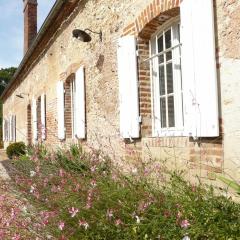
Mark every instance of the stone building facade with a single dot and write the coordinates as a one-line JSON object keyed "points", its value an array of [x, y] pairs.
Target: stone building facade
{"points": [[54, 55]]}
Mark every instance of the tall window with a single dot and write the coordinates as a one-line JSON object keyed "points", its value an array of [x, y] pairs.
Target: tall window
{"points": [[166, 81]]}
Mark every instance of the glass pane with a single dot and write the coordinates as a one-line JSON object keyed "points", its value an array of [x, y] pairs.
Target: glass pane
{"points": [[168, 44], [163, 112], [168, 39], [160, 49], [169, 78], [162, 80], [171, 117], [168, 55]]}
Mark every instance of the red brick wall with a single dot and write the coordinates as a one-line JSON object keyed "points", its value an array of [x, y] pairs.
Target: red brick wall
{"points": [[39, 125], [30, 22], [144, 87], [52, 128], [29, 124], [68, 107]]}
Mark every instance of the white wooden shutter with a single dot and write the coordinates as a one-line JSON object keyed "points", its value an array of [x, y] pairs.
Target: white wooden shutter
{"points": [[60, 110], [199, 68], [34, 119], [10, 128], [128, 87], [4, 129], [43, 116], [80, 104], [14, 128]]}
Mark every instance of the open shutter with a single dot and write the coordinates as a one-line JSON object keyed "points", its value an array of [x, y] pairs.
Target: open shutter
{"points": [[34, 118], [60, 110], [10, 129], [200, 95], [80, 104], [14, 128], [4, 129], [43, 116], [128, 87]]}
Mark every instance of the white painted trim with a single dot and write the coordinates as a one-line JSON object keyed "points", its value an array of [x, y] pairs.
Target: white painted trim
{"points": [[157, 131]]}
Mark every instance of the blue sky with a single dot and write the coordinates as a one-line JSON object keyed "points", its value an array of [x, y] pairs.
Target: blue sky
{"points": [[11, 29]]}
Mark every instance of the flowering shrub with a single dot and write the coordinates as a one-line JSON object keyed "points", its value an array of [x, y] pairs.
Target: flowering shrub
{"points": [[83, 196], [16, 149], [15, 216]]}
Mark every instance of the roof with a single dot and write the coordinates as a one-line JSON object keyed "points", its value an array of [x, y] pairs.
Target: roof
{"points": [[59, 12]]}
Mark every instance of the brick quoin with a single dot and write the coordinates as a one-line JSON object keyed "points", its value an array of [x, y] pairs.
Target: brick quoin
{"points": [[39, 125], [68, 106], [29, 124], [146, 23]]}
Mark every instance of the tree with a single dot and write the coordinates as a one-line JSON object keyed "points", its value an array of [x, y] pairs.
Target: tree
{"points": [[5, 75]]}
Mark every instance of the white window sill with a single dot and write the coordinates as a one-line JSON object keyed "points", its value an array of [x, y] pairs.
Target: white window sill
{"points": [[171, 132]]}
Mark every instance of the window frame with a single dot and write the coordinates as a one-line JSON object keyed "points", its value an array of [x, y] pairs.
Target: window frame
{"points": [[157, 130]]}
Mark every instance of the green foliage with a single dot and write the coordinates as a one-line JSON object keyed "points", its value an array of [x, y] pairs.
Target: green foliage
{"points": [[16, 149], [230, 183], [6, 74], [82, 196]]}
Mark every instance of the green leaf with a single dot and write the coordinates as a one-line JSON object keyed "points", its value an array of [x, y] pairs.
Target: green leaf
{"points": [[231, 183]]}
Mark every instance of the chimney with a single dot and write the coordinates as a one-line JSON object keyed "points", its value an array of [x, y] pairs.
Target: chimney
{"points": [[30, 22]]}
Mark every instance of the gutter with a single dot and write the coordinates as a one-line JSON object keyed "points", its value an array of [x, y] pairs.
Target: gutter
{"points": [[52, 14]]}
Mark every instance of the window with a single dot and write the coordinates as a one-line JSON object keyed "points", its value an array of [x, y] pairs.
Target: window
{"points": [[167, 81], [9, 129], [71, 106]]}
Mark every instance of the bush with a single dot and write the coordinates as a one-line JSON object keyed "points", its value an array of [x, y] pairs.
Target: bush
{"points": [[16, 149], [80, 196]]}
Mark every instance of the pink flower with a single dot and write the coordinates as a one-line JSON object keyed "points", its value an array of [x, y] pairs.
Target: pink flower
{"points": [[109, 213], [45, 182], [93, 168], [89, 199], [134, 170], [16, 237], [2, 197], [73, 211], [77, 187], [179, 215], [61, 173], [61, 225], [83, 223], [37, 169], [185, 223], [32, 189], [93, 183], [118, 222]]}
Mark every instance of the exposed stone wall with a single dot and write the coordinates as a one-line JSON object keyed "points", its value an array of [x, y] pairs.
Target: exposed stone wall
{"points": [[228, 38], [140, 18]]}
